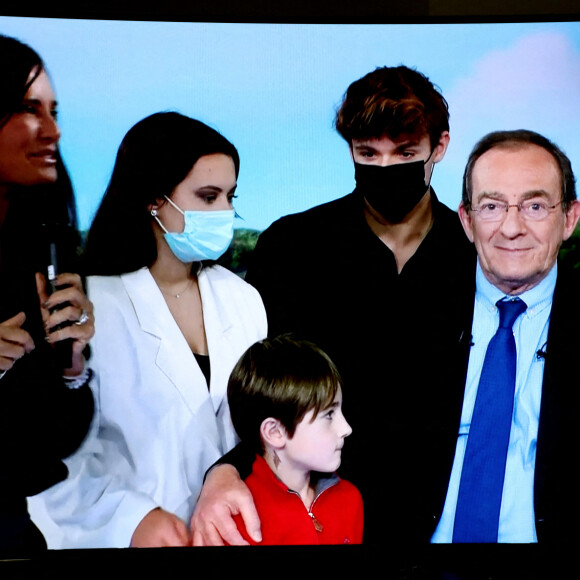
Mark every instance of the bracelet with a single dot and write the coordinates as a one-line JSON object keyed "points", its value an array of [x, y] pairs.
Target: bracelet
{"points": [[77, 382]]}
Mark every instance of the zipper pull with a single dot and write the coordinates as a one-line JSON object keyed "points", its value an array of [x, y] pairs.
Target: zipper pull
{"points": [[317, 525]]}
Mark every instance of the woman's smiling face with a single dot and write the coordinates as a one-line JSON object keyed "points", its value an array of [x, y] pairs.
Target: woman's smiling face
{"points": [[29, 139]]}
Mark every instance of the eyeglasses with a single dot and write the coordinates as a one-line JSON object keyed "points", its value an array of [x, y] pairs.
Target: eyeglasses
{"points": [[531, 209]]}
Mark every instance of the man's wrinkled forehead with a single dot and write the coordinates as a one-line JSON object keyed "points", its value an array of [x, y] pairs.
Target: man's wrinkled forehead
{"points": [[514, 147]]}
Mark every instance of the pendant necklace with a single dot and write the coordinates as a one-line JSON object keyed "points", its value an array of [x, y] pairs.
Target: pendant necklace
{"points": [[180, 293]]}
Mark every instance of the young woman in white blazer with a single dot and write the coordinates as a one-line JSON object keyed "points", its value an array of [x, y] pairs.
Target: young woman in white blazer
{"points": [[170, 326]]}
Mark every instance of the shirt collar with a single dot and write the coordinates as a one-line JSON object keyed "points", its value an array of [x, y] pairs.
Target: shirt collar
{"points": [[536, 298], [320, 481]]}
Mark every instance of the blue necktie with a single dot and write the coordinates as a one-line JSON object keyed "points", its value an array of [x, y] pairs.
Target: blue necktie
{"points": [[482, 476]]}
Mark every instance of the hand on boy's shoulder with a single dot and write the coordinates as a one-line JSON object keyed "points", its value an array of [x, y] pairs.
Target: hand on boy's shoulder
{"points": [[223, 497]]}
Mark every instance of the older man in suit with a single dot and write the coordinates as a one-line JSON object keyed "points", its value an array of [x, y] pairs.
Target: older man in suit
{"points": [[512, 476]]}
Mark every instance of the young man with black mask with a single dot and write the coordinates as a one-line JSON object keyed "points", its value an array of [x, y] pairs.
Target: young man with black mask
{"points": [[377, 279]]}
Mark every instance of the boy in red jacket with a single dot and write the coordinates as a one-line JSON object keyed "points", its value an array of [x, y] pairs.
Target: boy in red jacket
{"points": [[285, 400]]}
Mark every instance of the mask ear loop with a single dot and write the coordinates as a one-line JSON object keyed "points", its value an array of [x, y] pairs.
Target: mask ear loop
{"points": [[432, 167], [173, 204], [154, 213]]}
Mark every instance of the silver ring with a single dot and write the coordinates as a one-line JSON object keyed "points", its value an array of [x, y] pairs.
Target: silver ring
{"points": [[83, 319]]}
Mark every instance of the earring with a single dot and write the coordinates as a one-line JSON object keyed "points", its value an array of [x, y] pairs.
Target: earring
{"points": [[154, 212]]}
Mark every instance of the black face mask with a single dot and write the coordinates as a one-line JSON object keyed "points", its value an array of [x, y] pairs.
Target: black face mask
{"points": [[392, 190]]}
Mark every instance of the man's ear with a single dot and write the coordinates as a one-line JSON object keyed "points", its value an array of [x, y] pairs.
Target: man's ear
{"points": [[572, 216], [466, 222], [273, 433], [441, 147]]}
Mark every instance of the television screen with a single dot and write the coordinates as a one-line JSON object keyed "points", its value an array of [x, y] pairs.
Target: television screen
{"points": [[272, 86]]}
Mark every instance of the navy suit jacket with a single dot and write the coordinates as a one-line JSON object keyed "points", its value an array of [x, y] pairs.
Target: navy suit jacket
{"points": [[556, 487]]}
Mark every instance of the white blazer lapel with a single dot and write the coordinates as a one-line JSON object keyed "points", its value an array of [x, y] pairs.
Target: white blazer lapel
{"points": [[219, 335], [174, 357]]}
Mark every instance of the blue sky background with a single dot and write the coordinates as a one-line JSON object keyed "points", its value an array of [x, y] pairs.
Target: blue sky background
{"points": [[272, 89]]}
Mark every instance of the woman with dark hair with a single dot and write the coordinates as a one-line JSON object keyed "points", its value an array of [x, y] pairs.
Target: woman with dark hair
{"points": [[46, 404], [170, 326]]}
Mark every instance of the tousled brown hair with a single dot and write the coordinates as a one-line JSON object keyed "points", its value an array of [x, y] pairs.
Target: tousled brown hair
{"points": [[283, 378], [394, 102]]}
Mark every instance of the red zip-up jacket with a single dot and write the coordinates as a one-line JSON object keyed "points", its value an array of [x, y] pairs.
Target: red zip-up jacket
{"points": [[335, 516]]}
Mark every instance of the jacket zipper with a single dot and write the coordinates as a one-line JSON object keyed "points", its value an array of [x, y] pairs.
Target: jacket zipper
{"points": [[317, 525]]}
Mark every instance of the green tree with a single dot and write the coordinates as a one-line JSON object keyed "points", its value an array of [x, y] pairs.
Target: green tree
{"points": [[238, 254]]}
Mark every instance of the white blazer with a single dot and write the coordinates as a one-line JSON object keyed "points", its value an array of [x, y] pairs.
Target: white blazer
{"points": [[158, 427]]}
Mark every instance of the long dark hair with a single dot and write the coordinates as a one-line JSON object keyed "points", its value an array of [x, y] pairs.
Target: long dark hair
{"points": [[20, 65], [154, 157]]}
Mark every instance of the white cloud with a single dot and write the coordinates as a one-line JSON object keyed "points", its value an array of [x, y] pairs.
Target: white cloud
{"points": [[539, 74], [532, 84]]}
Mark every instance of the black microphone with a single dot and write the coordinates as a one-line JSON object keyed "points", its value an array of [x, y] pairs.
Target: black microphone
{"points": [[541, 354], [54, 239], [466, 338]]}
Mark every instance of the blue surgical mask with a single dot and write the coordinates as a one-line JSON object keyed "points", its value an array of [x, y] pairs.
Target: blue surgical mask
{"points": [[206, 235]]}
